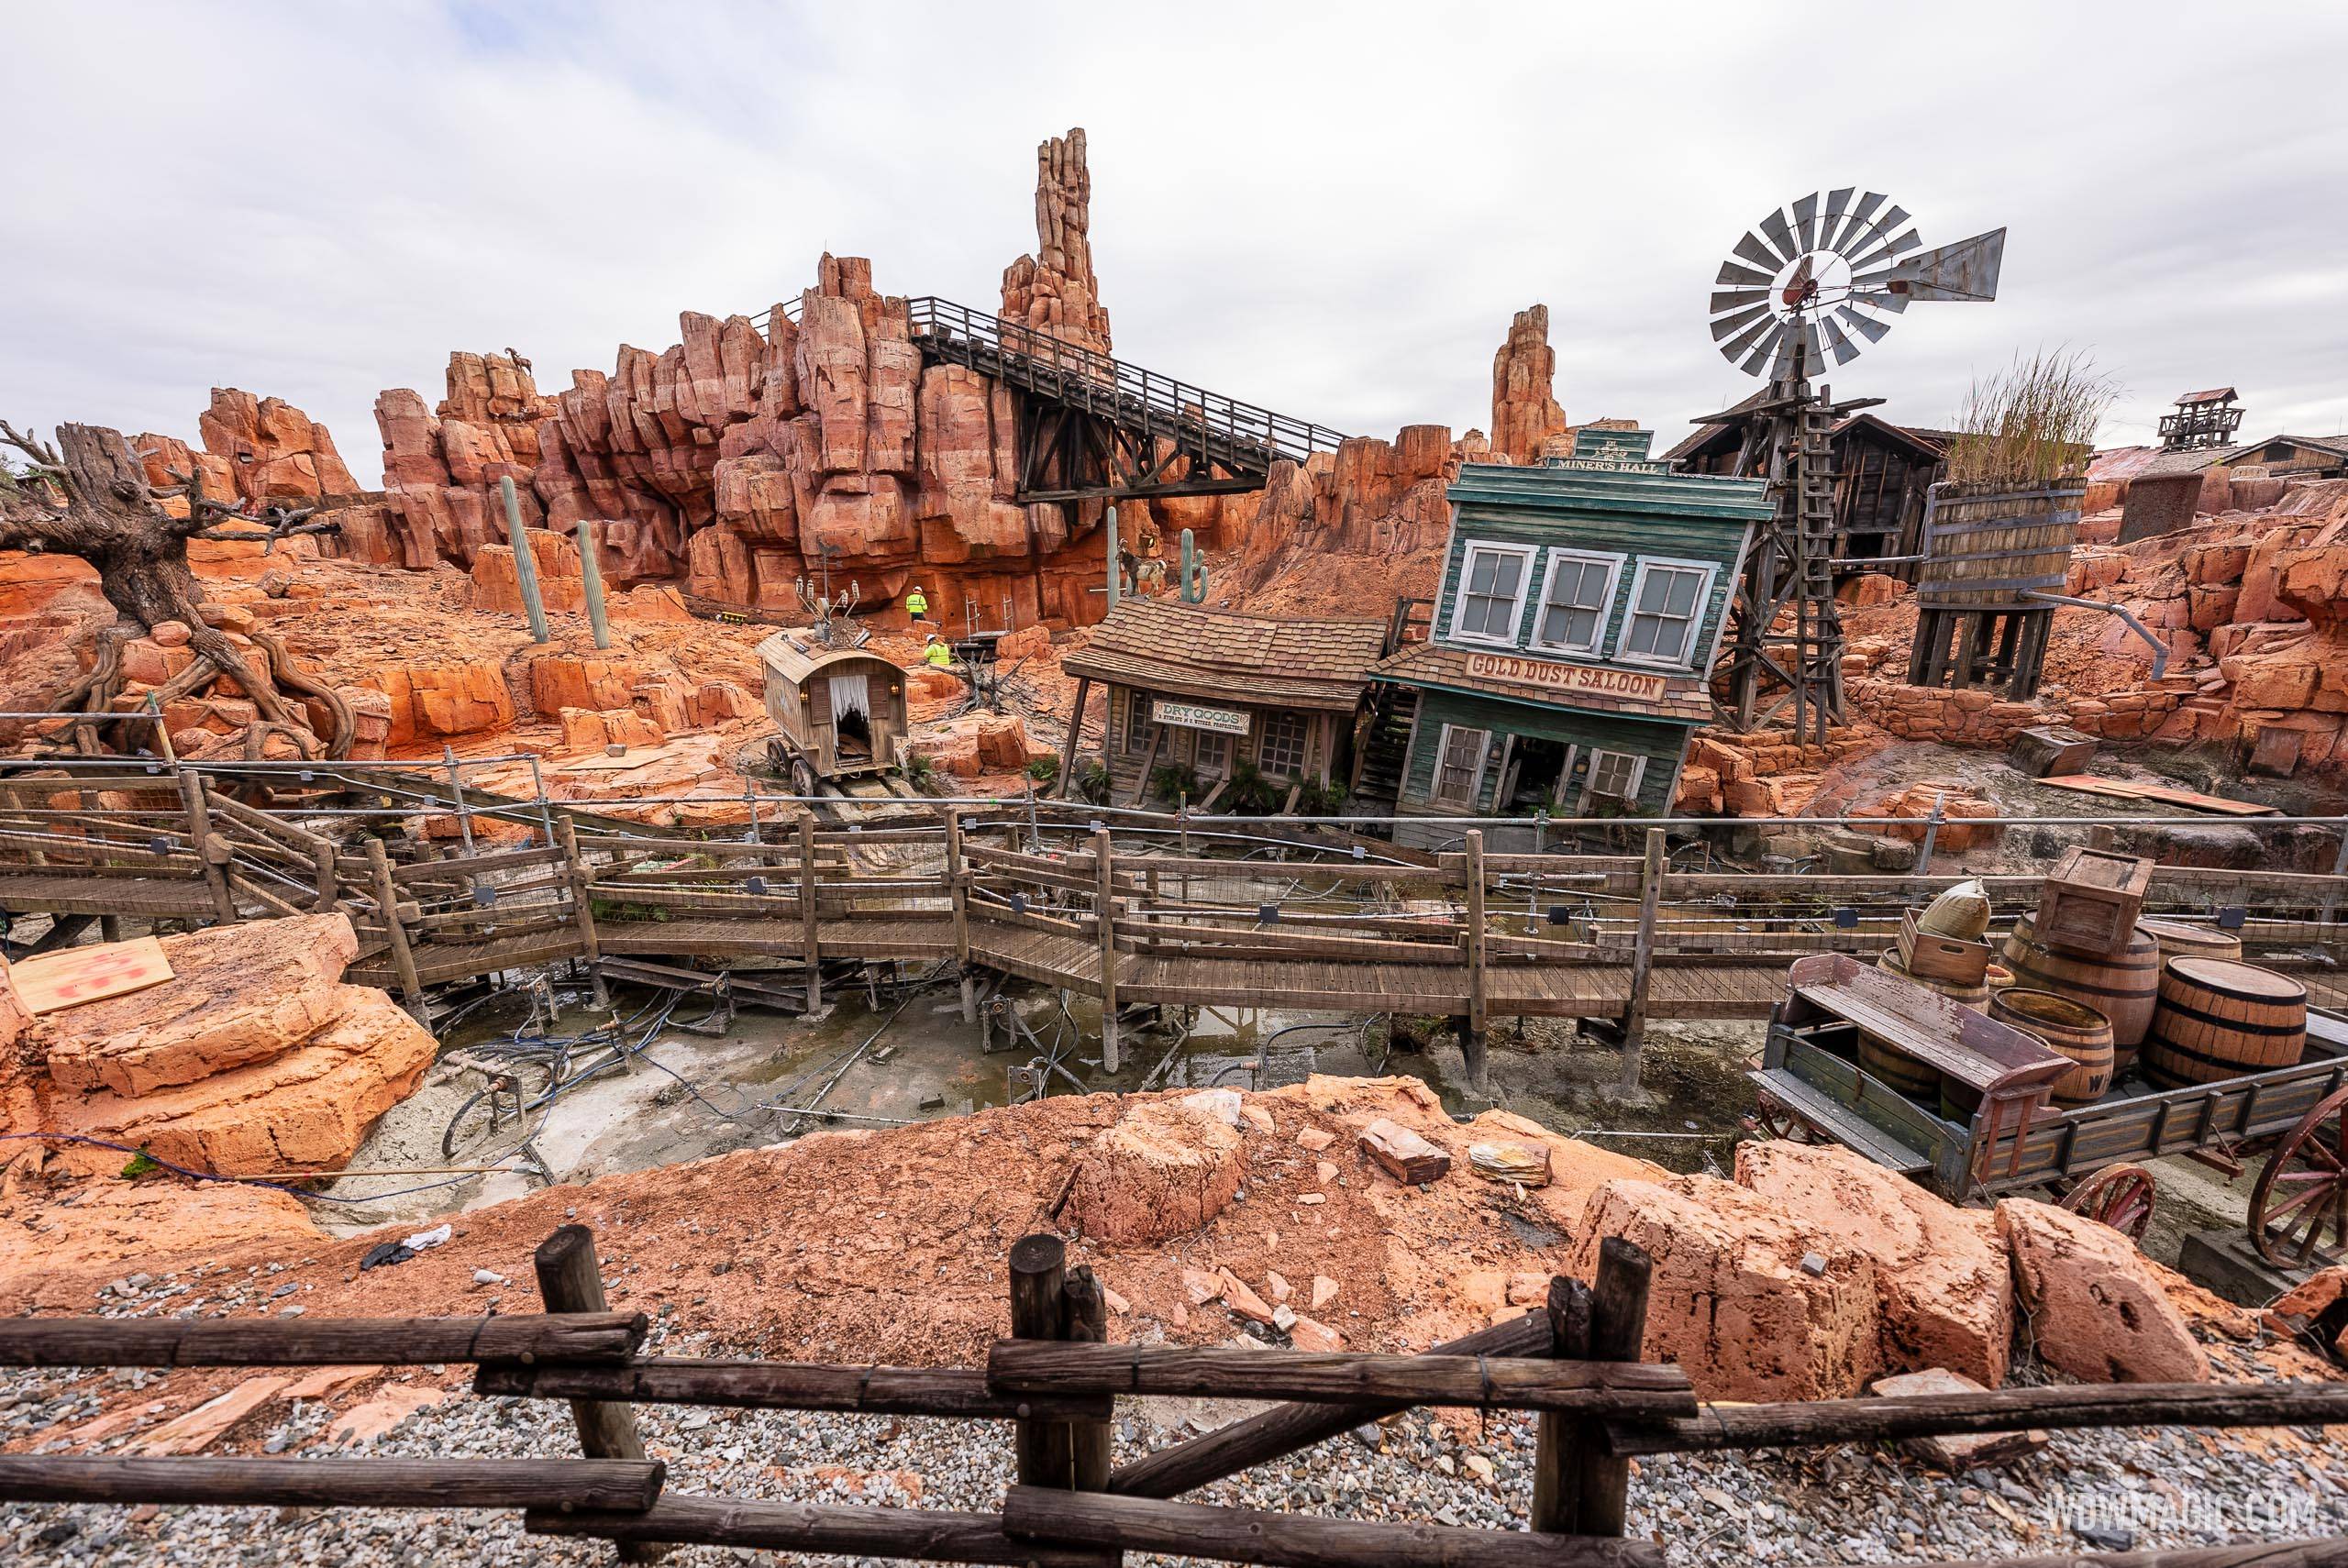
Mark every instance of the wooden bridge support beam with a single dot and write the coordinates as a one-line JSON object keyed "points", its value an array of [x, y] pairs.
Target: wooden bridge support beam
{"points": [[1634, 1016], [957, 884], [1104, 913], [809, 902], [583, 908], [199, 837], [1473, 1027], [387, 904]]}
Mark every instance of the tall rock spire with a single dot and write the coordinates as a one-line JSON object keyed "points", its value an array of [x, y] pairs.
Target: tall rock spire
{"points": [[1525, 412], [1054, 290]]}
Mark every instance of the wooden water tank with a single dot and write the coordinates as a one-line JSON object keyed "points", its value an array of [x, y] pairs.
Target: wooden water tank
{"points": [[2122, 988], [2071, 1028], [2219, 1019]]}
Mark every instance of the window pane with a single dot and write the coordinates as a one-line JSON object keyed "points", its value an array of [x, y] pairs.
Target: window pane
{"points": [[1653, 590], [1643, 630], [1507, 569], [1480, 567], [1683, 593]]}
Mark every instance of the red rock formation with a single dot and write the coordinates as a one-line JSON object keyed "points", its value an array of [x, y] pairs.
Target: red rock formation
{"points": [[272, 450], [1525, 412], [1054, 290]]}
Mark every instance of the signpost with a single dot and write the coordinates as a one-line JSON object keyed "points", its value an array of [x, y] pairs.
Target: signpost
{"points": [[1191, 716]]}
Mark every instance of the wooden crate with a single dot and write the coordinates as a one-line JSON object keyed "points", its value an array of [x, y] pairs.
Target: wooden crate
{"points": [[2090, 901]]}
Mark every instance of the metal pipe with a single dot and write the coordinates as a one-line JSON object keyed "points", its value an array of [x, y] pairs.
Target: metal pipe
{"points": [[525, 566], [2160, 649]]}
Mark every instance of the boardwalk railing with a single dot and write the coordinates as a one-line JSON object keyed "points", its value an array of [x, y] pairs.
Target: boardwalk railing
{"points": [[1574, 1361], [1133, 909]]}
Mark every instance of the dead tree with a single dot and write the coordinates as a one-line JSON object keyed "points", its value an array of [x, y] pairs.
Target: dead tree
{"points": [[88, 496]]}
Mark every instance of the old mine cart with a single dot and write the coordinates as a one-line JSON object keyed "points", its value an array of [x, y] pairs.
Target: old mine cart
{"points": [[1926, 1087], [840, 711]]}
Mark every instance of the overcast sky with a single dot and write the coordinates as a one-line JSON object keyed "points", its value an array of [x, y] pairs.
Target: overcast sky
{"points": [[1330, 211]]}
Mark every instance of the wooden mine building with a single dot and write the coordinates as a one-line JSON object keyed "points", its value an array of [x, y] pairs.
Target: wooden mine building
{"points": [[1208, 692]]}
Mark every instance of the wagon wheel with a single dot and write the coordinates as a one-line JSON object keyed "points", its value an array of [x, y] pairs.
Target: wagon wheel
{"points": [[2303, 1190], [803, 778], [1774, 1119], [2119, 1196]]}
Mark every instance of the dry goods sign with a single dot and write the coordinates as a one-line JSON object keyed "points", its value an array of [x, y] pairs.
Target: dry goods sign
{"points": [[1190, 716]]}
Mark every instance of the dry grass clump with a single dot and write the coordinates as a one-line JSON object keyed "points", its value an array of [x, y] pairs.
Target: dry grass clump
{"points": [[2033, 423]]}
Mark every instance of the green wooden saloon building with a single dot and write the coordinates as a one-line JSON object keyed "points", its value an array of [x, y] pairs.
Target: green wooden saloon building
{"points": [[1581, 606]]}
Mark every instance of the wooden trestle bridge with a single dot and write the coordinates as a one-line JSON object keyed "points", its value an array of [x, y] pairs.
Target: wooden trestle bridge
{"points": [[445, 883]]}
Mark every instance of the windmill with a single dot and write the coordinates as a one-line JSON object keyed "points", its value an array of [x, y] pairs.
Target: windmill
{"points": [[1817, 280]]}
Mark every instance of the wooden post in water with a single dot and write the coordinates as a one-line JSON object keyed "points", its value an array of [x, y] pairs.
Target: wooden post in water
{"points": [[807, 914], [960, 891], [582, 907], [1634, 1016], [199, 834], [387, 901], [1471, 1040], [569, 1281], [1105, 912]]}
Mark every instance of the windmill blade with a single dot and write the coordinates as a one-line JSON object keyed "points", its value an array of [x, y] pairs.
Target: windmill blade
{"points": [[1858, 224], [1737, 322], [1774, 334], [1837, 203], [1781, 234], [1885, 252], [1879, 299], [1838, 343], [1865, 242], [1751, 335], [1866, 325], [1965, 270], [1737, 299], [1760, 255], [1732, 273], [1806, 221]]}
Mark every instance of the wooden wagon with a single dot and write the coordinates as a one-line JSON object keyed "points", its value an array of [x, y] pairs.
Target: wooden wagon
{"points": [[839, 712], [1849, 1047]]}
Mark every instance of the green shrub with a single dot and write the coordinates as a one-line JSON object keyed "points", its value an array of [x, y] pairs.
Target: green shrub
{"points": [[1093, 783], [1251, 793], [1172, 781], [1044, 769]]}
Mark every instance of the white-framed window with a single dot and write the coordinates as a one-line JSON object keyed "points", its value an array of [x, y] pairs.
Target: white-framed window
{"points": [[1280, 754], [1459, 765], [1137, 723], [1613, 776], [1667, 606], [1490, 595], [1577, 594]]}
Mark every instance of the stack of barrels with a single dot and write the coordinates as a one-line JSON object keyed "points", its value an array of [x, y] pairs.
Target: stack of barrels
{"points": [[2220, 1017], [2122, 985]]}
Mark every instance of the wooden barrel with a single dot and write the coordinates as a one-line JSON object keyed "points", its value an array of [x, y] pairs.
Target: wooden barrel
{"points": [[2070, 1028], [1904, 1073], [2219, 1019], [2179, 939], [2124, 987], [1974, 993]]}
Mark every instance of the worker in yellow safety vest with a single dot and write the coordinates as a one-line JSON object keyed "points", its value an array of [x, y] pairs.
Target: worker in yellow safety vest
{"points": [[936, 654], [917, 604]]}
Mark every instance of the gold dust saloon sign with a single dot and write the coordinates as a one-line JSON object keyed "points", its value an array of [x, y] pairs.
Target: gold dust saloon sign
{"points": [[1592, 679]]}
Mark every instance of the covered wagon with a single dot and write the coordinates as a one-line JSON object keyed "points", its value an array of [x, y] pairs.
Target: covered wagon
{"points": [[838, 712]]}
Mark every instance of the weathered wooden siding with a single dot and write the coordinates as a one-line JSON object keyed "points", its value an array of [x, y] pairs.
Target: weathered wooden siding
{"points": [[1662, 744]]}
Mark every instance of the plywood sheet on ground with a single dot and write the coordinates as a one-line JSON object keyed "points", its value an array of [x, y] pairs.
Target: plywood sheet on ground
{"points": [[78, 975]]}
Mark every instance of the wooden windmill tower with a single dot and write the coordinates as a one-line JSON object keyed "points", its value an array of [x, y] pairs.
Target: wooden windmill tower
{"points": [[1815, 282]]}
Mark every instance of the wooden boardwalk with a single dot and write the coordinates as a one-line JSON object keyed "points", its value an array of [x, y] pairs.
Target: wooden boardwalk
{"points": [[1137, 919]]}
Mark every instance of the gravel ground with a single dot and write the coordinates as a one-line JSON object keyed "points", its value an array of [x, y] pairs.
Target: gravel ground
{"points": [[2087, 1490]]}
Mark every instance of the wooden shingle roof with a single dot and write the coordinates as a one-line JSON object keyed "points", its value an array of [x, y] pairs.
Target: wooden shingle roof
{"points": [[1168, 647]]}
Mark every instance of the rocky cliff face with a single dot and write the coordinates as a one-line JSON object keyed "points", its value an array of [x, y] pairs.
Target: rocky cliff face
{"points": [[1525, 413], [1054, 290]]}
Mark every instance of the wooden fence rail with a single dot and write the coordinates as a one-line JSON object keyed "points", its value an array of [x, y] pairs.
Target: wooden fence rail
{"points": [[1575, 1360]]}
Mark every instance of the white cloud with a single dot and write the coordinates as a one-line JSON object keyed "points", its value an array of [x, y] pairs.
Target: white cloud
{"points": [[1333, 211]]}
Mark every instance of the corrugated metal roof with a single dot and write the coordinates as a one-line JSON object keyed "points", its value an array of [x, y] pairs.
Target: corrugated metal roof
{"points": [[1565, 490], [1169, 646], [2215, 395]]}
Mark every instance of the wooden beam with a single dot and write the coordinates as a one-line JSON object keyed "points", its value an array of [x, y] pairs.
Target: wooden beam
{"points": [[1337, 1377], [944, 1391], [937, 1535], [587, 1335], [620, 1485], [1297, 1540]]}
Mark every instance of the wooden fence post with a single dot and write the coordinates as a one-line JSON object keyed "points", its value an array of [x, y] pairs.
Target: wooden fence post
{"points": [[1618, 1326], [958, 889], [387, 904], [1104, 911], [1634, 1016], [1471, 1038], [808, 899], [569, 1281], [582, 907], [1051, 1301], [199, 832], [1556, 1459]]}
